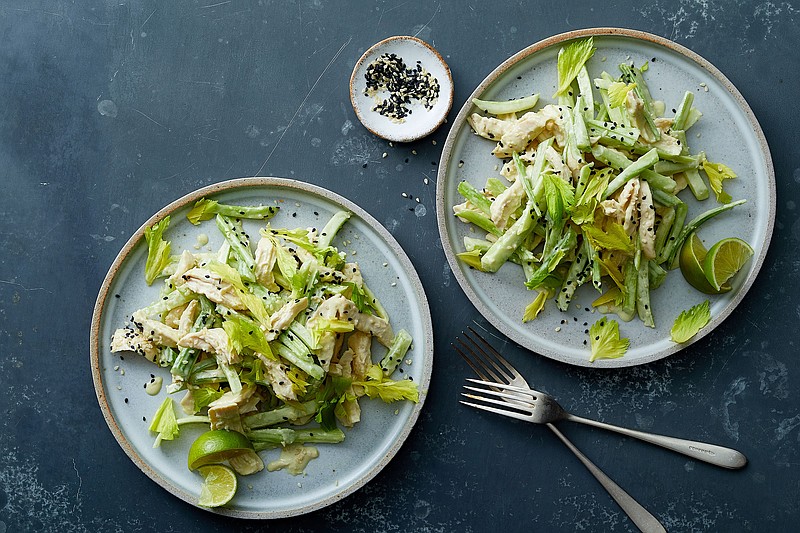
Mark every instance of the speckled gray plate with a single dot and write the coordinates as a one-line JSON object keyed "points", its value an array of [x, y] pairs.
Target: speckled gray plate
{"points": [[340, 469], [728, 133]]}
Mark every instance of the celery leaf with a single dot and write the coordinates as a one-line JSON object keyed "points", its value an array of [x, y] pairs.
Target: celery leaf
{"points": [[535, 307], [559, 195], [204, 209], [164, 422], [203, 396], [378, 386], [717, 173], [570, 61], [690, 321], [606, 343], [618, 92], [613, 237], [157, 250]]}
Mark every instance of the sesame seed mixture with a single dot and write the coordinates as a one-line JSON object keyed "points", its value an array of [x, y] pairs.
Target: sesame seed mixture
{"points": [[389, 73]]}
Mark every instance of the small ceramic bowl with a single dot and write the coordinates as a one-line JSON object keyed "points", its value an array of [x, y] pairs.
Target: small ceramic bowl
{"points": [[421, 121]]}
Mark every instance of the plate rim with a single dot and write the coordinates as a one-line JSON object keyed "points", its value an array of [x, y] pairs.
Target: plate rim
{"points": [[460, 121], [216, 188]]}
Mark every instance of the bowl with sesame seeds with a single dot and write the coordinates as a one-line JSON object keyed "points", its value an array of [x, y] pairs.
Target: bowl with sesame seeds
{"points": [[528, 82], [401, 89], [128, 383]]}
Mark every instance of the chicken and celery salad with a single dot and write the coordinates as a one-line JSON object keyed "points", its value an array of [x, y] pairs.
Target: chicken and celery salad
{"points": [[270, 344], [588, 194]]}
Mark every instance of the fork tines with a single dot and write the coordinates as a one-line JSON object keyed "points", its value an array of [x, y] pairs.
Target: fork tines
{"points": [[483, 358], [513, 407]]}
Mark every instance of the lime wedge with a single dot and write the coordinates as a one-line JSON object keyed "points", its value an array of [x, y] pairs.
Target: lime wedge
{"points": [[219, 485], [725, 259], [691, 261], [216, 446]]}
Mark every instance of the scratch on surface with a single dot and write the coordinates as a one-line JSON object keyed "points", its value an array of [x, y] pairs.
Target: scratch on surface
{"points": [[291, 121], [178, 173], [39, 11], [80, 484], [215, 5], [438, 8], [23, 287], [728, 359], [148, 19], [385, 11], [154, 121]]}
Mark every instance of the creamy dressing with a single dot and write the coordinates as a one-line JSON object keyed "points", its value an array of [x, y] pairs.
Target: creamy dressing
{"points": [[202, 240], [153, 386], [294, 458]]}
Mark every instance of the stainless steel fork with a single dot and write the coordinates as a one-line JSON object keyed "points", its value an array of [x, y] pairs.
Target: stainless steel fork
{"points": [[541, 408], [487, 365]]}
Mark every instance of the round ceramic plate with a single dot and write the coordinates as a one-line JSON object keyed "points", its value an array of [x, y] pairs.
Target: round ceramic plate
{"points": [[728, 132], [421, 121], [340, 469]]}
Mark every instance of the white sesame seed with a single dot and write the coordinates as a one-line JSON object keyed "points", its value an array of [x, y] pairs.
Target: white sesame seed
{"points": [[385, 155], [558, 328]]}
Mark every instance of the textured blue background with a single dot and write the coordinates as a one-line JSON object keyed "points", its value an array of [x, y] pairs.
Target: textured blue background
{"points": [[202, 91]]}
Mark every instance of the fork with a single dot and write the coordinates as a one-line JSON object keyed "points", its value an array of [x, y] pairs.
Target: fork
{"points": [[542, 408], [482, 365]]}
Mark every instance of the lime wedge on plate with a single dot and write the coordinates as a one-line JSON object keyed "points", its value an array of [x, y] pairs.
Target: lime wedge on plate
{"points": [[219, 485], [725, 259], [691, 261], [216, 446]]}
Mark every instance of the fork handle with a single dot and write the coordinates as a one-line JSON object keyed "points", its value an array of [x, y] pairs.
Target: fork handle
{"points": [[710, 453], [640, 516]]}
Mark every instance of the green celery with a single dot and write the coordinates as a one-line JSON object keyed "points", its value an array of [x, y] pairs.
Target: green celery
{"points": [[397, 350], [475, 197], [505, 245], [330, 229], [289, 412]]}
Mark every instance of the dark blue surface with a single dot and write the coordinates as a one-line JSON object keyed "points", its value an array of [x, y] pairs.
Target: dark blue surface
{"points": [[205, 91]]}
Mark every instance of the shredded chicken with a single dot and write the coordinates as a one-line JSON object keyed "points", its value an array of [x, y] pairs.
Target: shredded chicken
{"points": [[625, 208], [339, 307], [284, 316], [506, 203], [352, 274], [212, 286], [265, 257], [514, 135], [224, 414], [160, 334], [647, 221], [278, 378], [188, 317], [213, 340], [186, 262], [133, 340], [350, 414]]}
